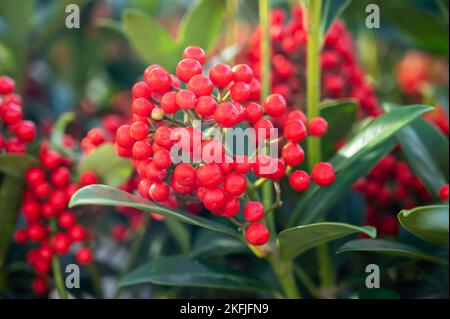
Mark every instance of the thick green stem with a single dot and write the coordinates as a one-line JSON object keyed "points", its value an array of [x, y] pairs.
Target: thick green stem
{"points": [[313, 76], [232, 26], [284, 272], [58, 278]]}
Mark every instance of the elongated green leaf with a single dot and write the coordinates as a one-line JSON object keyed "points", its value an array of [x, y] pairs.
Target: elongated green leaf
{"points": [[103, 195], [427, 222], [15, 165], [333, 9], [185, 271], [181, 234], [202, 24], [11, 190], [58, 131], [150, 40], [297, 240], [426, 150], [112, 169], [389, 248], [213, 243], [346, 160]]}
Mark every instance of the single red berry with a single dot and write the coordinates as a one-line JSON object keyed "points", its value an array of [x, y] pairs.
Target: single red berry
{"points": [[7, 85], [61, 243], [255, 90], [58, 200], [186, 99], [123, 136], [253, 112], [221, 75], [240, 92], [275, 105], [84, 256], [292, 154], [158, 79], [77, 233], [200, 85], [206, 106], [209, 175], [253, 212], [36, 232], [88, 178], [162, 159], [51, 159], [263, 128], [139, 131], [154, 173], [12, 114], [142, 107], [187, 68], [67, 219], [31, 210], [142, 150], [162, 137], [299, 181], [318, 126], [297, 115], [97, 136], [242, 164], [295, 131], [194, 52], [34, 176], [42, 189], [443, 193], [323, 174], [25, 131], [232, 207], [20, 236], [234, 184], [185, 174], [169, 102], [141, 90], [159, 191], [214, 199], [257, 234], [227, 114], [39, 285], [242, 72], [60, 177], [143, 187]]}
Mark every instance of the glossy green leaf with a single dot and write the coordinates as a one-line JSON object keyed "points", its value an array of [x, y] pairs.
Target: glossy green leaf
{"points": [[15, 165], [112, 169], [185, 271], [201, 26], [58, 132], [332, 10], [297, 240], [212, 243], [389, 248], [181, 234], [103, 195], [427, 222], [150, 40], [11, 190], [346, 161], [426, 150]]}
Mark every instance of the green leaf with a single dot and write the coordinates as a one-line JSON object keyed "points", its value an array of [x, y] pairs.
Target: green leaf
{"points": [[426, 150], [58, 131], [181, 234], [427, 222], [150, 40], [18, 17], [112, 169], [419, 27], [11, 190], [333, 10], [201, 26], [297, 240], [15, 165], [213, 243], [347, 161], [389, 248], [340, 115], [103, 195], [185, 271]]}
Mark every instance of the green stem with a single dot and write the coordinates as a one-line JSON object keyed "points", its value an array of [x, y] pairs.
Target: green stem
{"points": [[284, 272], [313, 76], [58, 278], [95, 277], [232, 26], [304, 278]]}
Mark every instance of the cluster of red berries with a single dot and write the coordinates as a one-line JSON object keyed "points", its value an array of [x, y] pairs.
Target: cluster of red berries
{"points": [[18, 132], [49, 225], [224, 99], [342, 76]]}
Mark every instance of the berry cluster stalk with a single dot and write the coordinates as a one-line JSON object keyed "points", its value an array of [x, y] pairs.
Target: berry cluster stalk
{"points": [[57, 270]]}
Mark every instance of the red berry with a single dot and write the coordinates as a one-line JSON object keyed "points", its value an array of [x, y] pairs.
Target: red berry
{"points": [[232, 207], [31, 209], [36, 232], [214, 199], [187, 68], [200, 85], [235, 184], [77, 233], [61, 243], [39, 285], [295, 131], [34, 176], [206, 106], [20, 236], [299, 181], [158, 80], [240, 92], [253, 212], [143, 187], [257, 234], [194, 52], [323, 174], [142, 150], [12, 114], [139, 131], [186, 100], [263, 128], [25, 131], [221, 75], [318, 126], [142, 107], [169, 102], [162, 137], [67, 219], [123, 137], [242, 72], [297, 115], [50, 159], [141, 90], [97, 136], [60, 177], [7, 85], [292, 154], [88, 178], [228, 114], [58, 199], [209, 175], [253, 112], [84, 256], [185, 174], [242, 164], [443, 193], [159, 191], [275, 105], [162, 159], [42, 190]]}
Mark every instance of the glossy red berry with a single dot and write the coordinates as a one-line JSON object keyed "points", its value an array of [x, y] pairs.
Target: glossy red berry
{"points": [[185, 174], [77, 233], [162, 159], [20, 236], [162, 137], [299, 181], [263, 128], [141, 90], [232, 207], [297, 115], [240, 92], [318, 126], [221, 75], [39, 285], [84, 256], [42, 189], [194, 52], [159, 191], [169, 102], [158, 79], [253, 112], [187, 68], [12, 114], [323, 174], [214, 199], [142, 150], [139, 131], [292, 154], [227, 114], [253, 212], [257, 234], [234, 184], [206, 106], [67, 219], [25, 131], [7, 85], [186, 100], [36, 232], [209, 175], [275, 105], [88, 178], [444, 193], [242, 72], [142, 107], [34, 176], [242, 164], [61, 243], [123, 136], [200, 85], [58, 199], [295, 131], [60, 177]]}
